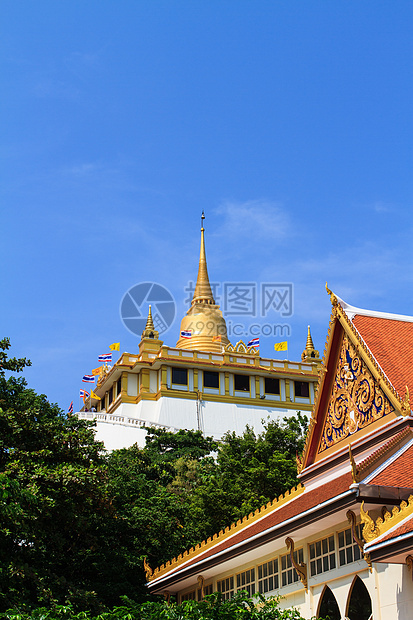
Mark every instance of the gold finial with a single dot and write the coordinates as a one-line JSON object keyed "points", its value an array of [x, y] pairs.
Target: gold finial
{"points": [[333, 298], [203, 291], [406, 403], [148, 569], [353, 465]]}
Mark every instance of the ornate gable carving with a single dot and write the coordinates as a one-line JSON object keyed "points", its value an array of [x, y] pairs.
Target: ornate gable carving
{"points": [[356, 400]]}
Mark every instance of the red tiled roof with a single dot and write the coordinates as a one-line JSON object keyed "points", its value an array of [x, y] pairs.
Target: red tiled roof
{"points": [[384, 452], [298, 505], [404, 528], [391, 343], [399, 473]]}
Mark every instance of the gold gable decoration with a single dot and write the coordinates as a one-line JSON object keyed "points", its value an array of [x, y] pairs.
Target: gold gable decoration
{"points": [[356, 400]]}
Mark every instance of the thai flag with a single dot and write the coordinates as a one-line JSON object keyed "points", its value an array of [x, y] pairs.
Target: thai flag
{"points": [[70, 410], [187, 334], [88, 379], [83, 394], [255, 342], [107, 357]]}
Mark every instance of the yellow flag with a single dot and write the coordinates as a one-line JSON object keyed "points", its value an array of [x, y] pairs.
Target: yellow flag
{"points": [[94, 395], [281, 346], [97, 371], [115, 346]]}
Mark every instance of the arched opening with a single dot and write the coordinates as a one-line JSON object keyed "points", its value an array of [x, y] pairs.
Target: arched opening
{"points": [[328, 607], [359, 604]]}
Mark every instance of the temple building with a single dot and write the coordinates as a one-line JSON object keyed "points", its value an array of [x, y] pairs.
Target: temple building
{"points": [[203, 382], [341, 542]]}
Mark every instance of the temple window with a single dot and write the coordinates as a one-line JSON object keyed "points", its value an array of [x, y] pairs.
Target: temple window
{"points": [[328, 606], [211, 379], [110, 395], [288, 572], [301, 389], [359, 605], [226, 587], [348, 549], [272, 386], [241, 383], [322, 555], [119, 386], [180, 376], [246, 581], [268, 579]]}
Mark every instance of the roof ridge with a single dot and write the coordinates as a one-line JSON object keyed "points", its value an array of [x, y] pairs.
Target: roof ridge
{"points": [[374, 456], [235, 527], [390, 316]]}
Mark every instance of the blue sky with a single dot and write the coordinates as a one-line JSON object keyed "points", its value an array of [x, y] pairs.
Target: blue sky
{"points": [[289, 123]]}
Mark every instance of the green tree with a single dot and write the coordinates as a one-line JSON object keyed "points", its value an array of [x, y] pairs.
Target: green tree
{"points": [[213, 607], [156, 509], [77, 523], [57, 522], [249, 471]]}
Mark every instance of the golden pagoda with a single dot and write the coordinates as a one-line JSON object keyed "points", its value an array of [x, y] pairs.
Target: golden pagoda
{"points": [[310, 354], [203, 328]]}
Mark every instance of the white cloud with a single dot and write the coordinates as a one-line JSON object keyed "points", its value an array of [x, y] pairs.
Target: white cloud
{"points": [[253, 219]]}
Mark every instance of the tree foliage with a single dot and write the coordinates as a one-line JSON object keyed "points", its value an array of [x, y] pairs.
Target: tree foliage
{"points": [[56, 514], [76, 523], [213, 607]]}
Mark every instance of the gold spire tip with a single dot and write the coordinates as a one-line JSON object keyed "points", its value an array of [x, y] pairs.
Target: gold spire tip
{"points": [[310, 344], [149, 322]]}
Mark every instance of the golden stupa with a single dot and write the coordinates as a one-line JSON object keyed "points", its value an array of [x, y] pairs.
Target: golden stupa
{"points": [[203, 328]]}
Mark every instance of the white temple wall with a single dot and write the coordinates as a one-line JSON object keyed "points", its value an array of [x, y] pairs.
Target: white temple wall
{"points": [[122, 428]]}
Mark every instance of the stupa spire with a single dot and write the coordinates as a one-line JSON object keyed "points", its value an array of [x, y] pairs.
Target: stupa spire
{"points": [[149, 321], [310, 354], [203, 291], [150, 331], [310, 343], [203, 328]]}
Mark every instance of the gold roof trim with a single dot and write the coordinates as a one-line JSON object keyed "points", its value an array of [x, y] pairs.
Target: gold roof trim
{"points": [[318, 390], [373, 529], [234, 528], [241, 347]]}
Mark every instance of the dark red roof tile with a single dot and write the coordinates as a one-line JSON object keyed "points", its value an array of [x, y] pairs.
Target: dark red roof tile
{"points": [[399, 473], [298, 505]]}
